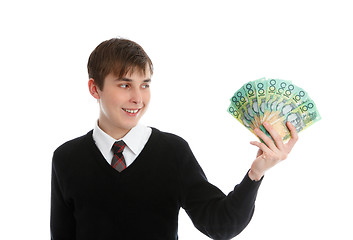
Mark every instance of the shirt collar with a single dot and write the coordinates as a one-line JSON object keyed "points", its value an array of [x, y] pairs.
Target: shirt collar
{"points": [[132, 139]]}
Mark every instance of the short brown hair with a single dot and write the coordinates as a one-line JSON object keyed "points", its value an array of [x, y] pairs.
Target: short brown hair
{"points": [[118, 56]]}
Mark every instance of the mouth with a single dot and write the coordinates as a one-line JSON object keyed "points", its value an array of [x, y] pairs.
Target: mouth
{"points": [[132, 111]]}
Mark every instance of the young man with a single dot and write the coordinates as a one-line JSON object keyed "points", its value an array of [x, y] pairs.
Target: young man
{"points": [[123, 180]]}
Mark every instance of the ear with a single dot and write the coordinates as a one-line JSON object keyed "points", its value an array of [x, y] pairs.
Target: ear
{"points": [[93, 88]]}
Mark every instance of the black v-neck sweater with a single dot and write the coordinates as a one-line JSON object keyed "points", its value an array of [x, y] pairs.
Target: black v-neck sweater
{"points": [[91, 200]]}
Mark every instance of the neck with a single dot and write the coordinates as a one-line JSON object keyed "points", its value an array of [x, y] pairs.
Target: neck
{"points": [[114, 132]]}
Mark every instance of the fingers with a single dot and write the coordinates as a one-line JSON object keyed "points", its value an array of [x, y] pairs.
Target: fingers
{"points": [[262, 148], [259, 153], [266, 140], [274, 144], [275, 136], [294, 136], [271, 151]]}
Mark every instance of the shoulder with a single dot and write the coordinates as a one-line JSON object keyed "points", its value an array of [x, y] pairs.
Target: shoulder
{"points": [[171, 145], [73, 146], [168, 139], [178, 152]]}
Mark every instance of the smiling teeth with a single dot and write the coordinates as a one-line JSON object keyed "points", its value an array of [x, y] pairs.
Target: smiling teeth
{"points": [[131, 111]]}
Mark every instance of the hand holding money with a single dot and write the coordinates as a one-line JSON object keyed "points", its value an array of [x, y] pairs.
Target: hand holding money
{"points": [[271, 151], [275, 110]]}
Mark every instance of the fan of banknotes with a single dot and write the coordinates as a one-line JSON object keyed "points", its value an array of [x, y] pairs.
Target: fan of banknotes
{"points": [[275, 101]]}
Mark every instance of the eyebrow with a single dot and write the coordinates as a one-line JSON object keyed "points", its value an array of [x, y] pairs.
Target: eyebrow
{"points": [[124, 79]]}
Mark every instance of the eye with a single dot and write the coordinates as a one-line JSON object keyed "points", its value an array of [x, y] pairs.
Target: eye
{"points": [[124, 85], [146, 85]]}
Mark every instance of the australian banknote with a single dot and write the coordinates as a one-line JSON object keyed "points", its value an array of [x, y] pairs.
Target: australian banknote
{"points": [[275, 101]]}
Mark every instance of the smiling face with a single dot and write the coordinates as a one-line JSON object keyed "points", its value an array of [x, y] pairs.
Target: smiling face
{"points": [[122, 101]]}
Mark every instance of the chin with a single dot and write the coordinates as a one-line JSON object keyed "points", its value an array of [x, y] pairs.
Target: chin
{"points": [[130, 125]]}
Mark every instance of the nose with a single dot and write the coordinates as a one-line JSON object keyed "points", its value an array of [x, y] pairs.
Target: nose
{"points": [[136, 96]]}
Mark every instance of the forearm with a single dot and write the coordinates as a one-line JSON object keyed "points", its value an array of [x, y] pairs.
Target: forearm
{"points": [[223, 217], [212, 212]]}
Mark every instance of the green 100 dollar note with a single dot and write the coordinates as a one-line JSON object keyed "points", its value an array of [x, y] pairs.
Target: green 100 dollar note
{"points": [[241, 103], [261, 86], [275, 101], [237, 115], [302, 117]]}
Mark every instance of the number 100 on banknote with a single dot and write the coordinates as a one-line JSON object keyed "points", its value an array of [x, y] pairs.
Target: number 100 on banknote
{"points": [[275, 101]]}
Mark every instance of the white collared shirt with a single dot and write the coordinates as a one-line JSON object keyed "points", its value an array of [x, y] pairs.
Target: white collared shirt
{"points": [[135, 141]]}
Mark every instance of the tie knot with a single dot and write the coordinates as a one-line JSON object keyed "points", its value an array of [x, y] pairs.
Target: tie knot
{"points": [[118, 146]]}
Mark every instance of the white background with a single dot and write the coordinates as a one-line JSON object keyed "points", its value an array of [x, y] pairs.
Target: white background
{"points": [[202, 51]]}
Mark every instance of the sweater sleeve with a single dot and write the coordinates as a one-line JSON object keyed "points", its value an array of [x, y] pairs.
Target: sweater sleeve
{"points": [[211, 211], [62, 222]]}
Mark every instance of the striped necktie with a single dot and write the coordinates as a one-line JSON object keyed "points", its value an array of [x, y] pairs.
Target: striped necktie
{"points": [[118, 161]]}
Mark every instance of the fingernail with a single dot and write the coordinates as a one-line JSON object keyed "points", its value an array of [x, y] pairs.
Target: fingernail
{"points": [[265, 124]]}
